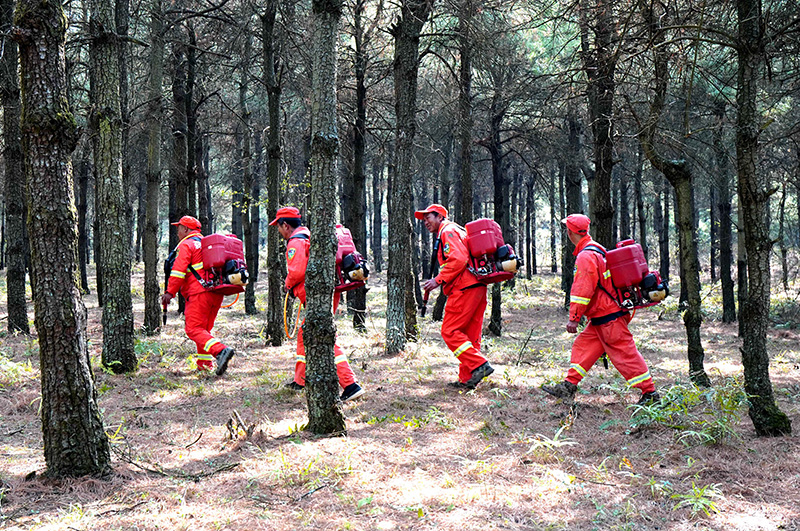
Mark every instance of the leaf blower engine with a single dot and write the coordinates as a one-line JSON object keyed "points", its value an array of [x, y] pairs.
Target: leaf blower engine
{"points": [[637, 286]]}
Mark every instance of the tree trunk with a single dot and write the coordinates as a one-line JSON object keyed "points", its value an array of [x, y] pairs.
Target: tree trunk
{"points": [[599, 64], [192, 160], [713, 228], [530, 228], [112, 205], [501, 195], [84, 169], [246, 167], [325, 414], [177, 167], [465, 14], [662, 227], [75, 443], [122, 20], [754, 193], [377, 213], [555, 226], [681, 178], [573, 197], [275, 261], [782, 240], [637, 190], [16, 246], [155, 113], [355, 217], [725, 223], [406, 67], [624, 210]]}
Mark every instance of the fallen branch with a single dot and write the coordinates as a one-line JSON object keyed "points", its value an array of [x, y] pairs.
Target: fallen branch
{"points": [[194, 441], [519, 354], [155, 468], [9, 434], [123, 509], [312, 491]]}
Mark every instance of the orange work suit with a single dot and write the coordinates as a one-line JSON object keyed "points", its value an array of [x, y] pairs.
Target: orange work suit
{"points": [[466, 300], [607, 330], [201, 306], [297, 252]]}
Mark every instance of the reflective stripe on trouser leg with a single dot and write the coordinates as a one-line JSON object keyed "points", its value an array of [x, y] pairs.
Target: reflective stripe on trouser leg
{"points": [[343, 370], [586, 350], [205, 362], [462, 326], [622, 351], [200, 314]]}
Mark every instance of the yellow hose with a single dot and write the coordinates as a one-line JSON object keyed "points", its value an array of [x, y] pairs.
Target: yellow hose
{"points": [[296, 317]]}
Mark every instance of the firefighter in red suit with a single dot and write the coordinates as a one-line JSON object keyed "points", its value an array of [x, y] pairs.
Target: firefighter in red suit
{"points": [[607, 331], [466, 297], [201, 305], [298, 242]]}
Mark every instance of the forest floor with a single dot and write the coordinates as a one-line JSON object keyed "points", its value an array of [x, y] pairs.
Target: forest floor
{"points": [[193, 451]]}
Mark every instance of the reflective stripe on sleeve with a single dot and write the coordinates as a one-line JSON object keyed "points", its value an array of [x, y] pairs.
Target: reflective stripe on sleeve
{"points": [[579, 300], [177, 274]]}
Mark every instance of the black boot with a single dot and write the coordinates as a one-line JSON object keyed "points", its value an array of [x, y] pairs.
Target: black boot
{"points": [[563, 390]]}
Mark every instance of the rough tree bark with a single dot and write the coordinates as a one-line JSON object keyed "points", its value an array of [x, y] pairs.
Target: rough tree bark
{"points": [[637, 190], [355, 215], [465, 13], [275, 265], [377, 212], [406, 33], [246, 166], [75, 443], [111, 205], [754, 193], [678, 173], [16, 246], [325, 414], [573, 197], [725, 222], [155, 113], [599, 63]]}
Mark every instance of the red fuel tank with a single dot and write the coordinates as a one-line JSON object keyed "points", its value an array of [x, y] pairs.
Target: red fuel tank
{"points": [[483, 237], [219, 248], [627, 264], [345, 243]]}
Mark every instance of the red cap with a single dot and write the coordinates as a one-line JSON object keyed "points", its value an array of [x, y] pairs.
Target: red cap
{"points": [[189, 222], [439, 209], [577, 223], [286, 212]]}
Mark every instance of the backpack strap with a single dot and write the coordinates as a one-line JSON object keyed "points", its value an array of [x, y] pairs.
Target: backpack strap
{"points": [[602, 253], [299, 237], [191, 269]]}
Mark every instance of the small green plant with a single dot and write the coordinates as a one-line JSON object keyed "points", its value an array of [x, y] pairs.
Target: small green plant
{"points": [[699, 499], [698, 415]]}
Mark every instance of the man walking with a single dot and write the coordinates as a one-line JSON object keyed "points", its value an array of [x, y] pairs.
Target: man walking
{"points": [[463, 314], [607, 331], [298, 238], [202, 306]]}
